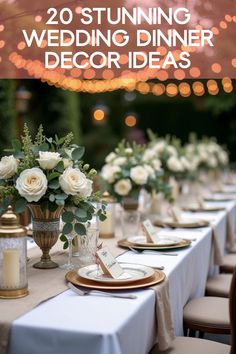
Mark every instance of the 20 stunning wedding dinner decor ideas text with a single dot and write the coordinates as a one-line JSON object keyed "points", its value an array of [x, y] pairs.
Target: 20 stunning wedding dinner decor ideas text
{"points": [[102, 32]]}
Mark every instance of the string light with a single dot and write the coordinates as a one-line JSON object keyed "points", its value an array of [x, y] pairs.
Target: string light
{"points": [[130, 121]]}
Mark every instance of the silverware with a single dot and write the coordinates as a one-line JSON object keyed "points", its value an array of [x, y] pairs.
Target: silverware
{"points": [[98, 292], [135, 250]]}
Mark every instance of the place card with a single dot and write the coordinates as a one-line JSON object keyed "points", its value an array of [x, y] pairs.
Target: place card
{"points": [[108, 263], [200, 202], [150, 232], [175, 213]]}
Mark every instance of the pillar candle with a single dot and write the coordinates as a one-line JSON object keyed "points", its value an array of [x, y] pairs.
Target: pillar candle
{"points": [[11, 268], [106, 227]]}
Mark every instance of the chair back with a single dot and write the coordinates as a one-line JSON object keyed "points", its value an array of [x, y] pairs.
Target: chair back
{"points": [[232, 309]]}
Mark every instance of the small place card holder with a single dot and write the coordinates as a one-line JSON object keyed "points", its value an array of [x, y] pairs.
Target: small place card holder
{"points": [[175, 213], [108, 263], [149, 231], [200, 202]]}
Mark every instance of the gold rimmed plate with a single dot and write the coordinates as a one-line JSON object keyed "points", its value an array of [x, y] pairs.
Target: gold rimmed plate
{"points": [[220, 198], [160, 241], [126, 244], [195, 208], [132, 273], [188, 223], [75, 279]]}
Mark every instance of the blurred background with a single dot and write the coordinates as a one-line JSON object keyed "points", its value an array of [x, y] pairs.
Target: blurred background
{"points": [[100, 120]]}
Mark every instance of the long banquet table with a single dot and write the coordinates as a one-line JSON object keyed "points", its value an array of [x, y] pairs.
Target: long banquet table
{"points": [[74, 324]]}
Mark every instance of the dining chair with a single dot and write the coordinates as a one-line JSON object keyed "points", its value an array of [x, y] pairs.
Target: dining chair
{"points": [[219, 285], [186, 345], [228, 263]]}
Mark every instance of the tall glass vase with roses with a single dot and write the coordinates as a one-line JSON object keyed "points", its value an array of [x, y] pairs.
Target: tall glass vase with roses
{"points": [[125, 173], [48, 176]]}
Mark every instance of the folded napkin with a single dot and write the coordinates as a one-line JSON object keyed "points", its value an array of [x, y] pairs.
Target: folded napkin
{"points": [[230, 237], [165, 328], [218, 259]]}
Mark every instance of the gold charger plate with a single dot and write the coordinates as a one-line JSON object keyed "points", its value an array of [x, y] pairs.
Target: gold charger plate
{"points": [[183, 225], [164, 241], [73, 277], [203, 209], [126, 244], [221, 198]]}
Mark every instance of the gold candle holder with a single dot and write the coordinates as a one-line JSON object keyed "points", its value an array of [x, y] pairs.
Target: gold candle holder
{"points": [[13, 257]]}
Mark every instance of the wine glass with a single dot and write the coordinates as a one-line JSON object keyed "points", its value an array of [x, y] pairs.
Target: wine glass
{"points": [[69, 265]]}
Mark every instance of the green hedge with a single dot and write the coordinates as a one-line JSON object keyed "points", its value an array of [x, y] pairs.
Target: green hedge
{"points": [[7, 114]]}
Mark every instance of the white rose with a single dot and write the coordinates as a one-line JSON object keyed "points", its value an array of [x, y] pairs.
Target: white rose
{"points": [[139, 175], [32, 184], [123, 187], [110, 157], [73, 182], [159, 147], [119, 161], [185, 163], [8, 167], [48, 160], [67, 163], [212, 162], [203, 156], [87, 190], [109, 173], [150, 171], [149, 155], [174, 164], [171, 150], [223, 158], [156, 164]]}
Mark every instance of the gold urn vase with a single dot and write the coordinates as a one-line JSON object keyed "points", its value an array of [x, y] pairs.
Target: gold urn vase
{"points": [[46, 229]]}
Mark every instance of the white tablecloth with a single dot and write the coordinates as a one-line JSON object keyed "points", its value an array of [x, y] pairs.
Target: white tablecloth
{"points": [[101, 325]]}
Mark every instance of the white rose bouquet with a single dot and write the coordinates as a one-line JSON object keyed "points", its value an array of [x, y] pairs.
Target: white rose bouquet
{"points": [[207, 153], [170, 153], [129, 169], [49, 172]]}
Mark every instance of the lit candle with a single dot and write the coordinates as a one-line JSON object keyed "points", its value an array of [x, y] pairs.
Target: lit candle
{"points": [[11, 268], [106, 227]]}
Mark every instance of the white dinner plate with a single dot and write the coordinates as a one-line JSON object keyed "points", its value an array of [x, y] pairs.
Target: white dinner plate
{"points": [[185, 223], [160, 241], [132, 273]]}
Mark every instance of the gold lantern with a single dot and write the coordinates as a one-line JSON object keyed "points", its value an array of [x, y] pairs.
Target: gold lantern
{"points": [[13, 257]]}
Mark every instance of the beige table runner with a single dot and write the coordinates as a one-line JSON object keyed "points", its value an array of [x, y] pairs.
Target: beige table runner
{"points": [[40, 291]]}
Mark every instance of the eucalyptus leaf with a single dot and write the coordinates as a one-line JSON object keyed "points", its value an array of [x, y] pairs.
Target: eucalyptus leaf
{"points": [[52, 198], [80, 229], [66, 245], [43, 147], [60, 202], [60, 167], [67, 217], [63, 238], [67, 229], [54, 184], [53, 175], [78, 153], [80, 213], [2, 182], [20, 205], [52, 206], [61, 196]]}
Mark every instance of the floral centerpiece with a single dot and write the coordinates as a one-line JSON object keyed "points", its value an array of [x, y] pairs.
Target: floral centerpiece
{"points": [[48, 176], [207, 153], [131, 168], [173, 159]]}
